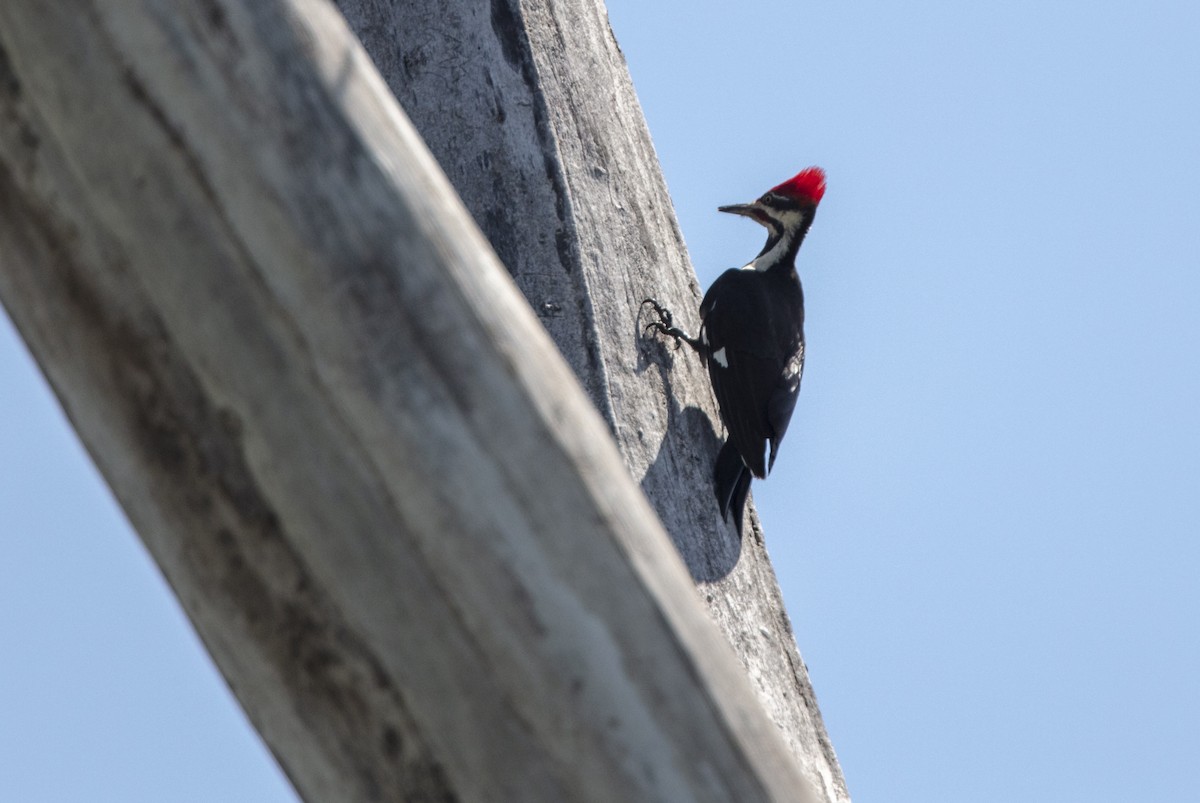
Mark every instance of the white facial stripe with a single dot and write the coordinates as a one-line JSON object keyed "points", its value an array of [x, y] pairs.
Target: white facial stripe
{"points": [[719, 356], [772, 257], [789, 220]]}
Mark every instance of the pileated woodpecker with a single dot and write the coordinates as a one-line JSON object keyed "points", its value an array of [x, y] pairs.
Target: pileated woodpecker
{"points": [[752, 338]]}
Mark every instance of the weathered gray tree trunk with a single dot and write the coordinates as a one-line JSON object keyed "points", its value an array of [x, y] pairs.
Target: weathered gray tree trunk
{"points": [[392, 517], [529, 108]]}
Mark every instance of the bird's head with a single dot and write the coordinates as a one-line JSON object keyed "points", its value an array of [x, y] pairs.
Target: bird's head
{"points": [[788, 206]]}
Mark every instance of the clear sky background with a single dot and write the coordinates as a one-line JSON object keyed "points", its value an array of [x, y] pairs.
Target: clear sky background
{"points": [[986, 517]]}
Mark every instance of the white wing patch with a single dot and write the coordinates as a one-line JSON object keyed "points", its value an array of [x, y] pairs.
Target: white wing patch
{"points": [[795, 365], [793, 369], [719, 356]]}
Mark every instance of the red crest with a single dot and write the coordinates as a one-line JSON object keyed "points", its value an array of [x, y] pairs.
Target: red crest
{"points": [[807, 185]]}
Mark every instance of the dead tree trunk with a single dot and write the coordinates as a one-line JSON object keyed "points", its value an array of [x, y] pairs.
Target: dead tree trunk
{"points": [[391, 515], [529, 109]]}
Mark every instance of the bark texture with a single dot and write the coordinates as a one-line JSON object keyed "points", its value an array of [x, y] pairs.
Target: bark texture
{"points": [[399, 528], [529, 108]]}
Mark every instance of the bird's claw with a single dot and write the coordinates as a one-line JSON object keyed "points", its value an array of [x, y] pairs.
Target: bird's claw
{"points": [[665, 325], [664, 314]]}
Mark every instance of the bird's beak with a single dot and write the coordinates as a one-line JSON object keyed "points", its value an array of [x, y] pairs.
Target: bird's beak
{"points": [[753, 211], [748, 210]]}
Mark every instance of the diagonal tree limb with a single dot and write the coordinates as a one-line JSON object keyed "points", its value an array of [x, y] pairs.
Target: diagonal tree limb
{"points": [[391, 515], [529, 108]]}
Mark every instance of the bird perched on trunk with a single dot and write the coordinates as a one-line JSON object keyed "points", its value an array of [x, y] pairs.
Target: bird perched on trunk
{"points": [[752, 338]]}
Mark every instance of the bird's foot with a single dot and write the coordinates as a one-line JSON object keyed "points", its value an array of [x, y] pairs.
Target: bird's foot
{"points": [[665, 325]]}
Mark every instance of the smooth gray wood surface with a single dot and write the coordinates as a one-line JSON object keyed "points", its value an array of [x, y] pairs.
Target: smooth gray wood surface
{"points": [[529, 108], [396, 522]]}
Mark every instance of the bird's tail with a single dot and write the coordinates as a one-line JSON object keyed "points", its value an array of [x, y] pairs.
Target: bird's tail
{"points": [[731, 481]]}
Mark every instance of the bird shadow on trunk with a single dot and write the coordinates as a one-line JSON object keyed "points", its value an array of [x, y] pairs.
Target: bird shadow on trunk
{"points": [[709, 546]]}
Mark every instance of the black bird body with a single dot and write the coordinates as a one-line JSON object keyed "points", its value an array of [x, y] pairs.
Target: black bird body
{"points": [[752, 333], [752, 339]]}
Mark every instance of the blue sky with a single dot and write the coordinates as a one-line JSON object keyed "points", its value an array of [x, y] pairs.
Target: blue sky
{"points": [[985, 516]]}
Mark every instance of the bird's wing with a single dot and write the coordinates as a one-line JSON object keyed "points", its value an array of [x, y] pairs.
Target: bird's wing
{"points": [[743, 364], [783, 400]]}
